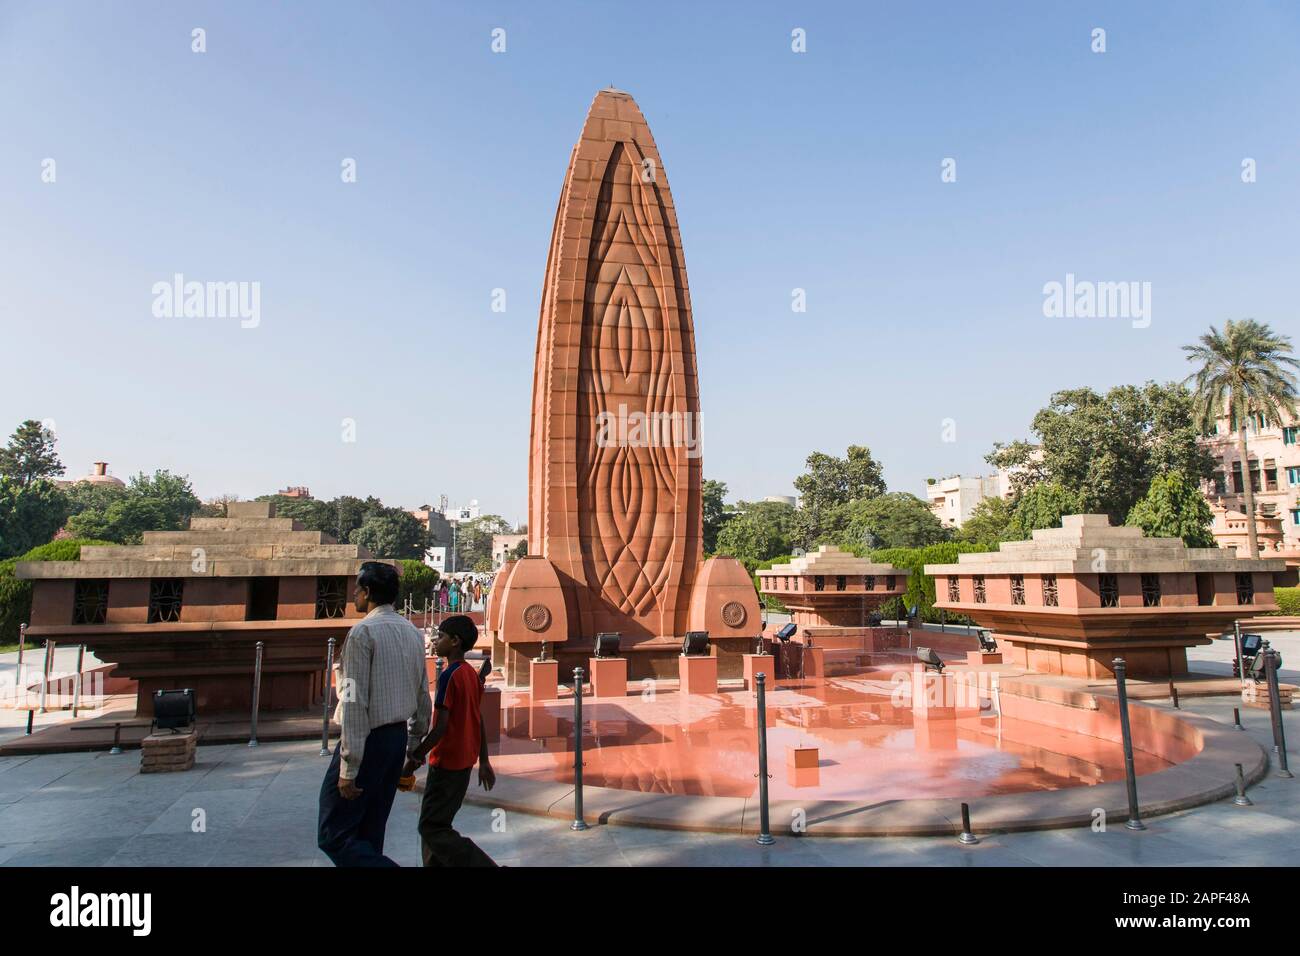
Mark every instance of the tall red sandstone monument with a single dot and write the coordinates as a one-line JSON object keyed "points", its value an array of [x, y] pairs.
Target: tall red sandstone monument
{"points": [[614, 506]]}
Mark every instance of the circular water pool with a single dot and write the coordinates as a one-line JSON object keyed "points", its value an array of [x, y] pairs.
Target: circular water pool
{"points": [[870, 746]]}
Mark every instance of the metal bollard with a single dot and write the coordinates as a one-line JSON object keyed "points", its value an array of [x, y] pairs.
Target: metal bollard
{"points": [[578, 822], [22, 647], [31, 716], [117, 740], [50, 647], [967, 837], [257, 695], [76, 691], [325, 704], [1173, 691], [1275, 711], [1236, 638], [764, 824], [1241, 799], [1130, 776], [1236, 718]]}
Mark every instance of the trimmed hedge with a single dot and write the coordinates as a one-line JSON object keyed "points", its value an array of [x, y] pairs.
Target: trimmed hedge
{"points": [[418, 582], [920, 586], [1288, 601], [16, 595]]}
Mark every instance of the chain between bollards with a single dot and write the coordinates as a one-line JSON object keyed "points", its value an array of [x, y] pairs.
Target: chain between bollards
{"points": [[1275, 711], [578, 822], [257, 695], [764, 824], [1130, 776], [325, 703]]}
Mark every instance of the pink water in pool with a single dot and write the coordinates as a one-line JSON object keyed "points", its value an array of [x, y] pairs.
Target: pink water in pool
{"points": [[869, 747]]}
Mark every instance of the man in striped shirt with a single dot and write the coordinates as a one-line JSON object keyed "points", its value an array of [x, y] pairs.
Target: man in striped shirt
{"points": [[383, 714]]}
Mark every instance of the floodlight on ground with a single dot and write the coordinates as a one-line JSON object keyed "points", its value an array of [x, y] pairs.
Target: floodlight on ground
{"points": [[173, 709], [1255, 668], [607, 644], [987, 643], [787, 632], [929, 658], [695, 644]]}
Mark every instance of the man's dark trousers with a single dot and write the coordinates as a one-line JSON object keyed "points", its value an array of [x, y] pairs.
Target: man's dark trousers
{"points": [[444, 790], [351, 832]]}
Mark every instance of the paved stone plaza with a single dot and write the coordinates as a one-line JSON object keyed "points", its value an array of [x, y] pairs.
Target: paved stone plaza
{"points": [[93, 809]]}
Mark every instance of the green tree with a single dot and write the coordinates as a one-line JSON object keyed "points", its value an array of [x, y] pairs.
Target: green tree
{"points": [[158, 502], [391, 534], [1042, 506], [894, 520], [30, 514], [920, 586], [1243, 371], [30, 455], [1105, 449], [474, 541], [989, 523], [1174, 508], [827, 486], [759, 531], [713, 496]]}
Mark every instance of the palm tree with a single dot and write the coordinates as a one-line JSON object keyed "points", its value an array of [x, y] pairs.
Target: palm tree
{"points": [[1243, 372]]}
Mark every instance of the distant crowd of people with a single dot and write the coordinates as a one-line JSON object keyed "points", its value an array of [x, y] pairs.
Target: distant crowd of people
{"points": [[462, 594]]}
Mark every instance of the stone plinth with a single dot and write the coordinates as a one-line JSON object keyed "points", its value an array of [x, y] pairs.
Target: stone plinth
{"points": [[544, 680], [1256, 695], [615, 526], [165, 752], [490, 708], [759, 664], [933, 696], [1076, 597], [608, 676], [698, 675], [801, 758], [983, 658]]}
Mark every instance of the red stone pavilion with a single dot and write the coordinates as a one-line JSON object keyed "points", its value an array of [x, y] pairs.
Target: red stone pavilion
{"points": [[186, 608], [1074, 598]]}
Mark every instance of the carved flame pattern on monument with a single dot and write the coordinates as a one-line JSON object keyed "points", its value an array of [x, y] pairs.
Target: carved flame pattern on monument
{"points": [[624, 369]]}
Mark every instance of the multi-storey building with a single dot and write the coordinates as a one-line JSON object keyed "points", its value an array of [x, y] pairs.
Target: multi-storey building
{"points": [[1274, 473], [952, 499]]}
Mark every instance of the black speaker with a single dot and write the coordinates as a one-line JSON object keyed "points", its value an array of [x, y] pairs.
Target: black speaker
{"points": [[607, 644], [173, 709], [695, 644]]}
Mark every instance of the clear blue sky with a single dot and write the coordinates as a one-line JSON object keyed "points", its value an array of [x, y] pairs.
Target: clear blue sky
{"points": [[816, 170]]}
